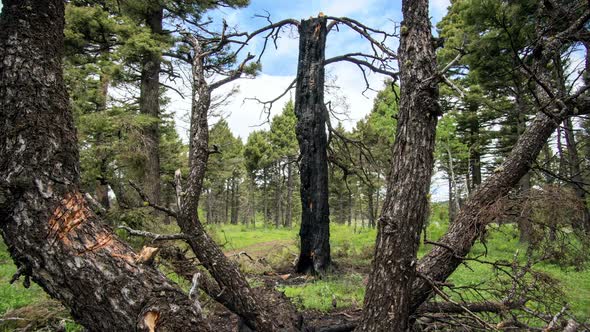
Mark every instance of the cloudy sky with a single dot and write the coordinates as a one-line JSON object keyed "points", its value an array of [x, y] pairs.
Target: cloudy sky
{"points": [[279, 65]]}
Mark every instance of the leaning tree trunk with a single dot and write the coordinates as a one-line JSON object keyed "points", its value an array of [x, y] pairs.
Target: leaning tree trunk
{"points": [[389, 291], [149, 104], [311, 134], [438, 264], [238, 297], [52, 235]]}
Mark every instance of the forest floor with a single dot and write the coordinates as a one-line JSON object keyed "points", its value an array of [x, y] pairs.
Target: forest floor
{"points": [[267, 255]]}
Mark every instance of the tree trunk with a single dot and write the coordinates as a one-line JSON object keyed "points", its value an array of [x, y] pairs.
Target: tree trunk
{"points": [[235, 205], [253, 200], [370, 208], [51, 234], [278, 195], [102, 187], [239, 298], [452, 211], [311, 115], [389, 290], [264, 197], [149, 104], [350, 208]]}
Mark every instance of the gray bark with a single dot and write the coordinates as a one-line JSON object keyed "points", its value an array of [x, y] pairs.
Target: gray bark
{"points": [[389, 290]]}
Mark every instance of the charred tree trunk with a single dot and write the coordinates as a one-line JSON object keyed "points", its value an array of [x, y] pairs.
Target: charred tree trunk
{"points": [[389, 290], [149, 104], [52, 235], [311, 115]]}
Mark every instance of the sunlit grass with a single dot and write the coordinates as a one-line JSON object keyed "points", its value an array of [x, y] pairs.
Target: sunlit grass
{"points": [[352, 248]]}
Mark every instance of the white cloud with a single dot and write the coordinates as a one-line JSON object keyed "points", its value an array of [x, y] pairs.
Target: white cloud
{"points": [[345, 8], [438, 9]]}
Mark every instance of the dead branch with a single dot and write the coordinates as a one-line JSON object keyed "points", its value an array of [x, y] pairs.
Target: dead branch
{"points": [[153, 236], [146, 199], [268, 104]]}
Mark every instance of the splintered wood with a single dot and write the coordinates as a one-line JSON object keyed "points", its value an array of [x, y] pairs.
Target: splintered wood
{"points": [[64, 226], [150, 320], [67, 216]]}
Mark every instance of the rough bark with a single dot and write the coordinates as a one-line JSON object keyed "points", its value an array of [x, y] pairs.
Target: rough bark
{"points": [[50, 232], [311, 111], [389, 290], [149, 104]]}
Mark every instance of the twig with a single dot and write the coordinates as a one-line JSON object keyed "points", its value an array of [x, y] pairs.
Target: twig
{"points": [[145, 198], [154, 236]]}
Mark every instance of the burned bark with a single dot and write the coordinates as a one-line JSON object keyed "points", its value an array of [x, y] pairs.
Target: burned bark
{"points": [[389, 291], [289, 212], [311, 115], [52, 235]]}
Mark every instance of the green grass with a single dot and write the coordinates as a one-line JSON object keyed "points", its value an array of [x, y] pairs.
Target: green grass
{"points": [[350, 249], [318, 294], [16, 295]]}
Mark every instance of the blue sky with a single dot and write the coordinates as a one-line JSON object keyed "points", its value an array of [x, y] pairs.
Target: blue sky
{"points": [[283, 61], [279, 66]]}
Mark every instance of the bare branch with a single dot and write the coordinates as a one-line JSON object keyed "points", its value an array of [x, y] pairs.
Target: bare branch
{"points": [[268, 104], [146, 199], [154, 236]]}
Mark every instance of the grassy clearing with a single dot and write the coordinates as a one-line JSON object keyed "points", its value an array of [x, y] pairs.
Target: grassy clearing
{"points": [[352, 251]]}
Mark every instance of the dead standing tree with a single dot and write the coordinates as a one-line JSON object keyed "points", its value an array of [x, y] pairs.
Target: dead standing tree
{"points": [[312, 116]]}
